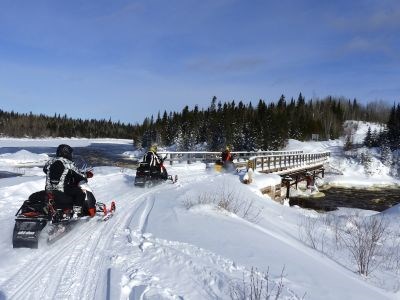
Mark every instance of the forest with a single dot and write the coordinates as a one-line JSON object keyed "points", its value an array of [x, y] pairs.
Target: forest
{"points": [[243, 126], [14, 124], [248, 127]]}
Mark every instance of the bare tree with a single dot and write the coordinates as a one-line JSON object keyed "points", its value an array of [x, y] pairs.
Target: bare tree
{"points": [[364, 240], [258, 286], [228, 200]]}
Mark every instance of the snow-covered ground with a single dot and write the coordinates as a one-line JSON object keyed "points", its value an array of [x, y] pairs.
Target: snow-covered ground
{"points": [[173, 242]]}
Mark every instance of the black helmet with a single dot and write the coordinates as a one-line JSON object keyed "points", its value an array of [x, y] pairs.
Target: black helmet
{"points": [[64, 151]]}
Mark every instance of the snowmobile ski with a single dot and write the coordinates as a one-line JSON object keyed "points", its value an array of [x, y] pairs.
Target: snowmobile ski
{"points": [[174, 179], [107, 213], [60, 229]]}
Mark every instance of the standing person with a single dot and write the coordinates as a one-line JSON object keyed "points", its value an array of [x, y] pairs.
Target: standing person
{"points": [[62, 175], [155, 162]]}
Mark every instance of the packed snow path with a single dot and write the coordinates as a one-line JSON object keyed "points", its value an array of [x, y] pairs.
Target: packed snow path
{"points": [[154, 248], [71, 267]]}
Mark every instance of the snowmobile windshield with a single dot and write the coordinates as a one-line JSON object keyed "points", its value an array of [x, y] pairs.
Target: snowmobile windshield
{"points": [[81, 164]]}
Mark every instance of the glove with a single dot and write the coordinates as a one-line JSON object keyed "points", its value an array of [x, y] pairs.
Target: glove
{"points": [[89, 174]]}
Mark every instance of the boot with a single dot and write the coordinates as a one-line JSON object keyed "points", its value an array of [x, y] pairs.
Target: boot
{"points": [[92, 212], [77, 211]]}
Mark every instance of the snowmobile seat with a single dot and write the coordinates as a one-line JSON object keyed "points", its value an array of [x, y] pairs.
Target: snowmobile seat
{"points": [[62, 200]]}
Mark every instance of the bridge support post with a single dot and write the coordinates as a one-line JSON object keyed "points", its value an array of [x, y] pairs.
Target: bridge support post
{"points": [[286, 181]]}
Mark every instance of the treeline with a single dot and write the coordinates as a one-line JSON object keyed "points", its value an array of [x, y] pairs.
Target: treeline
{"points": [[244, 126], [249, 127], [389, 136], [31, 125]]}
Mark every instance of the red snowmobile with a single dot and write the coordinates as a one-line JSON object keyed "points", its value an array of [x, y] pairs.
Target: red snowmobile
{"points": [[55, 210]]}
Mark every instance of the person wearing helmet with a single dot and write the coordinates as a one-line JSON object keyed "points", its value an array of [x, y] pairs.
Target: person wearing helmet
{"points": [[155, 162], [62, 175]]}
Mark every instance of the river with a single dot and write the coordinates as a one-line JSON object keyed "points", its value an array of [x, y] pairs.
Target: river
{"points": [[377, 199], [96, 154]]}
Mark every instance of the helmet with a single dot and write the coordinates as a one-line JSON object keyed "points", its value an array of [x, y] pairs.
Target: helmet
{"points": [[65, 151], [153, 148]]}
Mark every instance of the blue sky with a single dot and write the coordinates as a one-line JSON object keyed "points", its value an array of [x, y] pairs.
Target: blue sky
{"points": [[126, 60]]}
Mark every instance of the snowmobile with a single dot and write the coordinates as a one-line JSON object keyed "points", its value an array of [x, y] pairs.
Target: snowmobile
{"points": [[147, 176], [53, 208], [226, 166]]}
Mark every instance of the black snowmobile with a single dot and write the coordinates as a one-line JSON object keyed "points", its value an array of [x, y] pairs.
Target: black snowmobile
{"points": [[53, 208], [147, 176]]}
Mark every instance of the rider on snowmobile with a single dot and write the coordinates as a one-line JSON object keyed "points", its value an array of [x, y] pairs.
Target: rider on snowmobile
{"points": [[155, 162], [226, 155], [62, 175]]}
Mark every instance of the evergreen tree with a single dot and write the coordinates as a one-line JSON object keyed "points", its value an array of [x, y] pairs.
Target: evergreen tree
{"points": [[348, 145], [366, 160], [393, 127], [368, 141], [386, 155]]}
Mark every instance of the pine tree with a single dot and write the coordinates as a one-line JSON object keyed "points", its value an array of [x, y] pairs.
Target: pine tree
{"points": [[366, 160], [368, 142], [386, 155], [348, 145], [393, 126]]}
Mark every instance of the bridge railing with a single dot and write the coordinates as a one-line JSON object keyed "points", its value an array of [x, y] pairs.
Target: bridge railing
{"points": [[210, 157], [244, 156], [190, 156], [281, 162]]}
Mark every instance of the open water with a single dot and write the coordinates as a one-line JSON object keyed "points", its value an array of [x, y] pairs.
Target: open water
{"points": [[96, 154], [377, 199]]}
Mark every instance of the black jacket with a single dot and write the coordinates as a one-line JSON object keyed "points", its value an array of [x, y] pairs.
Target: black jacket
{"points": [[60, 173], [152, 158]]}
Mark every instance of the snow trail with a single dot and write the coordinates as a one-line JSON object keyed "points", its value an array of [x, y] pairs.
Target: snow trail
{"points": [[74, 265]]}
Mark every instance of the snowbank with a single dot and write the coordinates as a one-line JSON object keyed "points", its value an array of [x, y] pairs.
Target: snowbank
{"points": [[261, 180], [22, 158], [393, 211], [313, 146], [359, 129]]}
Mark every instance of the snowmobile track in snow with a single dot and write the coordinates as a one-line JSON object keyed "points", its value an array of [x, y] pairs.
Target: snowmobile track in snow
{"points": [[76, 264]]}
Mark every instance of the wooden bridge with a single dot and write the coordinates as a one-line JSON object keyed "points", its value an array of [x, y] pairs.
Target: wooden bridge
{"points": [[292, 166], [276, 162], [288, 163]]}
